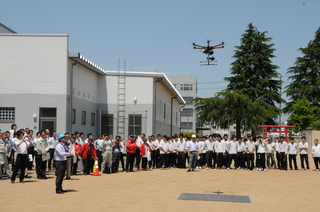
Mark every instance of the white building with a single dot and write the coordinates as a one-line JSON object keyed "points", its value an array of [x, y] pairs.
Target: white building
{"points": [[187, 87], [44, 85]]}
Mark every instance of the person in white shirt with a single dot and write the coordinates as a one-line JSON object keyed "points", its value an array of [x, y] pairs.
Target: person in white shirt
{"points": [[303, 147], [52, 140], [316, 153], [261, 154], [22, 155], [181, 144], [157, 142], [226, 155], [277, 151], [232, 148], [209, 147], [250, 146], [175, 151], [202, 153], [164, 151], [241, 150], [220, 149], [151, 144], [5, 150], [139, 141], [283, 146], [106, 144], [292, 151], [270, 154], [42, 149]]}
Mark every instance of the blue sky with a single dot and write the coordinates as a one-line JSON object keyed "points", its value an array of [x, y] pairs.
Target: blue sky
{"points": [[159, 34]]}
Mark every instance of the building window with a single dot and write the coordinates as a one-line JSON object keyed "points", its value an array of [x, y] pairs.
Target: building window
{"points": [[135, 124], [83, 117], [7, 114], [186, 125], [93, 119], [73, 116], [187, 112], [188, 100], [107, 124], [186, 87]]}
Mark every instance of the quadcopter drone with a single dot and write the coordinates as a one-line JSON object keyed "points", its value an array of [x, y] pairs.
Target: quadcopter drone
{"points": [[208, 50]]}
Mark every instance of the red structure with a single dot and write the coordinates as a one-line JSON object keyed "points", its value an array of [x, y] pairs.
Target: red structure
{"points": [[266, 130]]}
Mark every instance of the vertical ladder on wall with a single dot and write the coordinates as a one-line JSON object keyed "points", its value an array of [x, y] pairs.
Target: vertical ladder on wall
{"points": [[121, 99]]}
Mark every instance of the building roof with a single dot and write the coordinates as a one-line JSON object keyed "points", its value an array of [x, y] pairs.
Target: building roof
{"points": [[76, 56], [5, 29]]}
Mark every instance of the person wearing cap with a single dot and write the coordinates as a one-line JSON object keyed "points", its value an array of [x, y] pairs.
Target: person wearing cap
{"points": [[193, 152], [60, 156], [88, 154], [145, 154], [303, 148], [130, 149], [116, 151]]}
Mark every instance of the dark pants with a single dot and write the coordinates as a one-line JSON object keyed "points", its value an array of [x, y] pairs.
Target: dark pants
{"points": [[316, 162], [21, 163], [87, 165], [230, 158], [138, 158], [130, 161], [283, 161], [74, 166], [41, 166], [31, 152], [164, 160], [209, 156], [11, 159], [175, 159], [261, 159], [278, 160], [182, 160], [304, 157], [99, 154], [225, 159], [152, 163], [157, 159], [144, 162], [60, 171], [170, 160], [122, 161], [51, 152], [115, 161], [239, 160], [250, 161], [220, 160], [294, 159]]}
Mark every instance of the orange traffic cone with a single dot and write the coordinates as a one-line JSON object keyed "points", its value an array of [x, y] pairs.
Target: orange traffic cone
{"points": [[95, 169]]}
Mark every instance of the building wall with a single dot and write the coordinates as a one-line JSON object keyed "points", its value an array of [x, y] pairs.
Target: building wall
{"points": [[179, 82], [33, 70], [85, 96]]}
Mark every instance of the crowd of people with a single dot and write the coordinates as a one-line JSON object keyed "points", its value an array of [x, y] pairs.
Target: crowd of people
{"points": [[68, 154]]}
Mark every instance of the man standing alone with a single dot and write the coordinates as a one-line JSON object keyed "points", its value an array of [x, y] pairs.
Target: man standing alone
{"points": [[192, 147]]}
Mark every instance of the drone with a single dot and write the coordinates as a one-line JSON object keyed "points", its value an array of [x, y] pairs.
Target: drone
{"points": [[208, 50]]}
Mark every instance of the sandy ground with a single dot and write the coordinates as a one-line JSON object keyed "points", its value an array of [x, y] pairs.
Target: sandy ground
{"points": [[158, 190]]}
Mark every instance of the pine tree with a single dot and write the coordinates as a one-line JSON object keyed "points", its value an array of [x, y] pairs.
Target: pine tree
{"points": [[256, 77], [306, 76]]}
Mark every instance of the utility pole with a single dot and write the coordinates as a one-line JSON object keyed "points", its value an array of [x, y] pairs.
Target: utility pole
{"points": [[280, 105]]}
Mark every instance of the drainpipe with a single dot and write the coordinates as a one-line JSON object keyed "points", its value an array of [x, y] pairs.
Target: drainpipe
{"points": [[71, 94], [171, 113], [155, 105]]}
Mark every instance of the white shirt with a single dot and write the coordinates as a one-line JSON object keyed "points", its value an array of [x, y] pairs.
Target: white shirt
{"points": [[276, 146], [164, 145], [60, 153], [202, 146], [283, 146], [270, 147], [220, 146], [292, 148], [250, 145], [305, 145], [181, 145], [316, 151], [139, 141], [232, 147], [23, 148], [261, 147], [241, 147], [209, 145], [157, 143]]}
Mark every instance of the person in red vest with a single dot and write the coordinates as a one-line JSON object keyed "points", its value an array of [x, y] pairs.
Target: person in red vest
{"points": [[145, 154], [131, 146], [88, 154]]}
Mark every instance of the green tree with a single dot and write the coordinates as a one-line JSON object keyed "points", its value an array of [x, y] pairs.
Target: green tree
{"points": [[255, 76], [302, 116], [305, 76]]}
